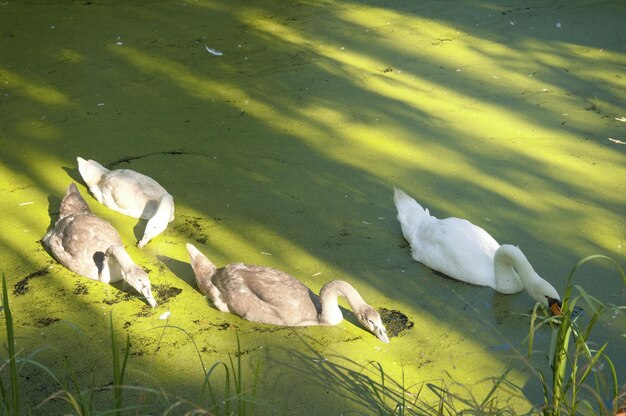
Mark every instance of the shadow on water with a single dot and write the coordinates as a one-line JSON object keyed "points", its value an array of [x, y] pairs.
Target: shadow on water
{"points": [[181, 269], [365, 388]]}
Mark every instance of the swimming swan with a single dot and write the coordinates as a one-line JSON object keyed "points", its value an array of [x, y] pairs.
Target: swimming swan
{"points": [[130, 193], [466, 252], [90, 246], [262, 294]]}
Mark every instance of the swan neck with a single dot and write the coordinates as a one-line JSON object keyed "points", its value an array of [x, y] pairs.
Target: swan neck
{"points": [[512, 257], [512, 271], [165, 208], [331, 314], [121, 257]]}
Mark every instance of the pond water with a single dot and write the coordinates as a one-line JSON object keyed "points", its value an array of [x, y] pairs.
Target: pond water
{"points": [[281, 128]]}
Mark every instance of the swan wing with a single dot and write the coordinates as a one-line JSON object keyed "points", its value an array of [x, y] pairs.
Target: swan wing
{"points": [[262, 294], [456, 248], [130, 193], [79, 242]]}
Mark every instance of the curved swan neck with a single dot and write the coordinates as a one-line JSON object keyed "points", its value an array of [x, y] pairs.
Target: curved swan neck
{"points": [[121, 257], [331, 314], [131, 273], [513, 272], [165, 209]]}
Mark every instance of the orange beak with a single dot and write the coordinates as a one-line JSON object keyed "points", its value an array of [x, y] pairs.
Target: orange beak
{"points": [[555, 306]]}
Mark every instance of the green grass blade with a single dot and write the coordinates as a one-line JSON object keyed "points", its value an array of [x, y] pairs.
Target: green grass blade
{"points": [[11, 347]]}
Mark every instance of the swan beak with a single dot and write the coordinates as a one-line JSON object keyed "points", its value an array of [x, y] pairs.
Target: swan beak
{"points": [[147, 294], [381, 334], [151, 302], [555, 306]]}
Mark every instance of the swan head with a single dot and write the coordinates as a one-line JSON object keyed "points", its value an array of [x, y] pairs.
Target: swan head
{"points": [[370, 319], [139, 280], [158, 223], [544, 293]]}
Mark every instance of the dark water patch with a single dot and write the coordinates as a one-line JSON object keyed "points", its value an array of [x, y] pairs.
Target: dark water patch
{"points": [[117, 298], [166, 292], [80, 289], [195, 227], [395, 321], [208, 349], [21, 287], [351, 339], [243, 352], [145, 312], [44, 322]]}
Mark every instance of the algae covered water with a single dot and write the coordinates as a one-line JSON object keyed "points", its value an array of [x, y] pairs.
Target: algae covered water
{"points": [[280, 129]]}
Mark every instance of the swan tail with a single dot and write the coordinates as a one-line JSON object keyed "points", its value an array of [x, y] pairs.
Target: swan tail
{"points": [[410, 213], [203, 270], [91, 171], [73, 203]]}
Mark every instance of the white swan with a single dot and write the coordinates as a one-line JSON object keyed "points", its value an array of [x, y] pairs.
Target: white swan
{"points": [[130, 193], [90, 246], [262, 294], [466, 252]]}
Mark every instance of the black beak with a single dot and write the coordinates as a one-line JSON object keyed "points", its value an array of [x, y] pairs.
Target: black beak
{"points": [[555, 306]]}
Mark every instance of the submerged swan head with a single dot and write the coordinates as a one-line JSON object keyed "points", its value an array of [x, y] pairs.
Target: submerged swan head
{"points": [[510, 265], [370, 319], [139, 280], [131, 273], [157, 224]]}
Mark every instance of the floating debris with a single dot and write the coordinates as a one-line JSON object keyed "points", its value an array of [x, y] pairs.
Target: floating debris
{"points": [[213, 51], [21, 287], [165, 315]]}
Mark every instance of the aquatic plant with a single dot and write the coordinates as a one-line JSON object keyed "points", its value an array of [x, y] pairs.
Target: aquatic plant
{"points": [[10, 404], [119, 366], [234, 397], [237, 402], [578, 382]]}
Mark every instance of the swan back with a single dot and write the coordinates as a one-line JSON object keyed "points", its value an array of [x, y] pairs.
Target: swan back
{"points": [[123, 190], [256, 293], [270, 296], [452, 246], [80, 241], [130, 193]]}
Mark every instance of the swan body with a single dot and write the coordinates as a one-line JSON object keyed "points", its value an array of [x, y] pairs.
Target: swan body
{"points": [[90, 246], [130, 193], [466, 252], [265, 295]]}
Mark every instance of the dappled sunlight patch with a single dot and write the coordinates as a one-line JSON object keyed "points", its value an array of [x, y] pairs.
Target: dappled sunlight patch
{"points": [[38, 128], [32, 88], [70, 55]]}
